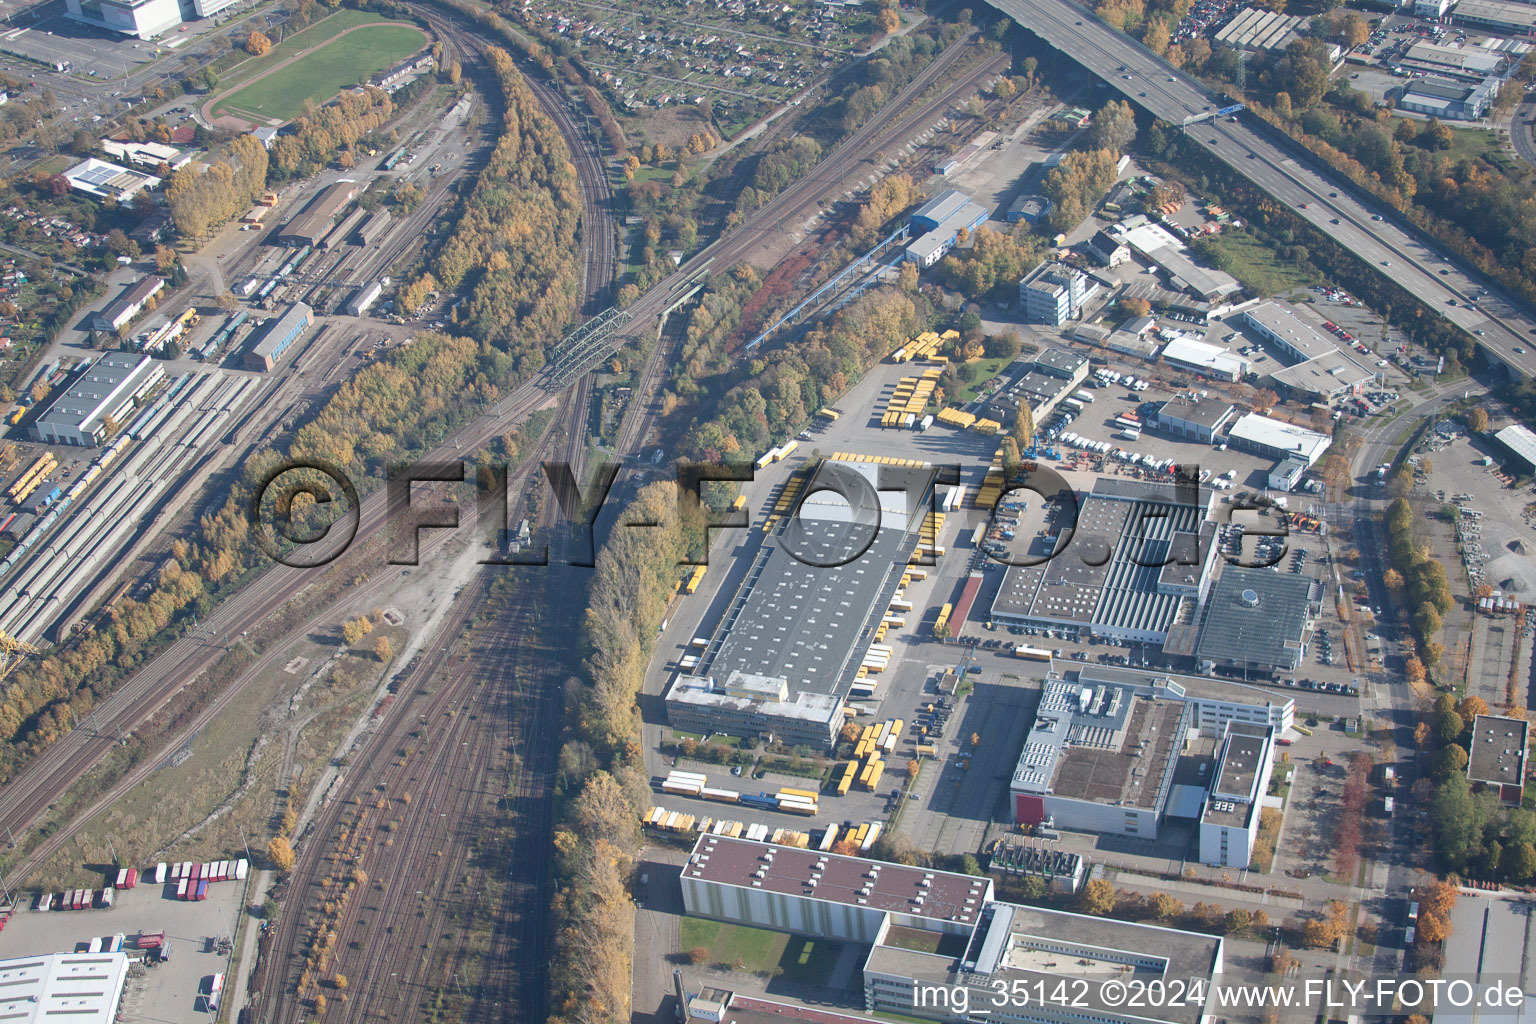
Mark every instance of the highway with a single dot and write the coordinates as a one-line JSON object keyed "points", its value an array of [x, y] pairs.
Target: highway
{"points": [[1332, 203]]}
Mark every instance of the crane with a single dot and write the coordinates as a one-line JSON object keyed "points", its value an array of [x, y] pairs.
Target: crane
{"points": [[10, 648]]}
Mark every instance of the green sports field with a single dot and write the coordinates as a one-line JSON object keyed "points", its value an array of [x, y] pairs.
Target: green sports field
{"points": [[323, 73]]}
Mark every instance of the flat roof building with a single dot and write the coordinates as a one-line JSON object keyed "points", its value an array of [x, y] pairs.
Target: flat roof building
{"points": [[1193, 417], [121, 310], [1140, 554], [85, 988], [145, 154], [316, 220], [142, 19], [795, 634], [1475, 62], [1277, 439], [1098, 759], [825, 894], [1205, 359], [1258, 620], [97, 401], [276, 336], [109, 181], [1451, 100], [1030, 208], [1322, 368], [1229, 821], [1063, 364], [1497, 757], [1054, 293], [1260, 31], [1502, 15]]}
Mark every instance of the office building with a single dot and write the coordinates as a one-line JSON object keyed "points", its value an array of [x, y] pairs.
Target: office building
{"points": [[1108, 249], [1229, 822], [1277, 439], [1055, 293], [1450, 100], [1503, 16], [1258, 620], [1206, 360], [83, 988]]}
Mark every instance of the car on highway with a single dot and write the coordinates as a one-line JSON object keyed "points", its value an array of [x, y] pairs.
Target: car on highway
{"points": [[1375, 216], [1335, 220], [1519, 350]]}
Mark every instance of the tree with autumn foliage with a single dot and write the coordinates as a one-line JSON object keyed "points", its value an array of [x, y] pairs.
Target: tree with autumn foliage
{"points": [[257, 44]]}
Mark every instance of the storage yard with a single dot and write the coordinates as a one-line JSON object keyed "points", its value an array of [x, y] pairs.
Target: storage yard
{"points": [[181, 946]]}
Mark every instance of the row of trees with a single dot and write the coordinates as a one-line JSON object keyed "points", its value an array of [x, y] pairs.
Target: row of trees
{"points": [[601, 780], [1416, 580], [513, 249], [319, 132]]}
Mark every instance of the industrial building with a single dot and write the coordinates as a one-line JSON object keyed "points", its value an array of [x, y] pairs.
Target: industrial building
{"points": [[1054, 293], [1105, 752], [276, 336], [1043, 392], [928, 927], [121, 310], [1475, 62], [1502, 16], [1519, 443], [1108, 249], [142, 19], [1193, 417], [108, 181], [1497, 757], [86, 988], [315, 221], [97, 401], [1161, 246], [1256, 30], [1277, 439], [1064, 365], [364, 298], [145, 154], [1258, 621], [1322, 367], [1450, 100], [795, 634], [1030, 208], [1183, 352], [938, 223], [208, 8], [1139, 558], [1229, 822], [1431, 9], [375, 228], [391, 79]]}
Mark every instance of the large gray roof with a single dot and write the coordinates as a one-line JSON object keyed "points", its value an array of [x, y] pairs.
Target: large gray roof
{"points": [[1255, 616]]}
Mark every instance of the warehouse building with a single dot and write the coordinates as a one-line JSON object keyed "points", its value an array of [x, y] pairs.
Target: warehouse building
{"points": [[1497, 757], [938, 223], [142, 19], [1139, 557], [1059, 363], [930, 928], [145, 154], [1055, 293], [1277, 439], [1321, 367], [84, 988], [1229, 822], [363, 299], [108, 181], [1161, 246], [1474, 62], [1193, 417], [97, 401], [1185, 353], [1450, 100], [1258, 621], [795, 634], [315, 221], [276, 336], [1043, 392], [1519, 443], [1030, 208], [377, 225], [121, 310], [1502, 16], [825, 894]]}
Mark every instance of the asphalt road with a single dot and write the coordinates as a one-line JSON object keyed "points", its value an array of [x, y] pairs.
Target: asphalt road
{"points": [[1331, 202]]}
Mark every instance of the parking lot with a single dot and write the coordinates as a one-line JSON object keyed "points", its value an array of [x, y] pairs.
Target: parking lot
{"points": [[174, 990]]}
